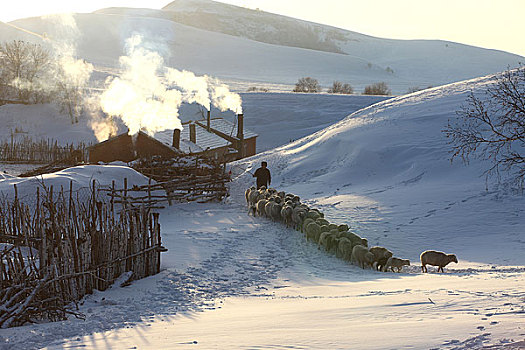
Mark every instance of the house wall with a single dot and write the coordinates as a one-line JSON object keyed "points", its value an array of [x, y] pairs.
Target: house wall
{"points": [[250, 147], [124, 149], [118, 148]]}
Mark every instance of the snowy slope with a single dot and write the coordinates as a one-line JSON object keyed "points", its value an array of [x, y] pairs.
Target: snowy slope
{"points": [[386, 169], [241, 56], [234, 281]]}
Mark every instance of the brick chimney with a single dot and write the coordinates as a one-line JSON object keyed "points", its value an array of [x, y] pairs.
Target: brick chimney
{"points": [[176, 138], [208, 121], [240, 134], [193, 133], [240, 127]]}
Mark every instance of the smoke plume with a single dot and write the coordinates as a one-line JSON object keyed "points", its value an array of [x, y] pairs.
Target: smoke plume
{"points": [[148, 95], [139, 97]]}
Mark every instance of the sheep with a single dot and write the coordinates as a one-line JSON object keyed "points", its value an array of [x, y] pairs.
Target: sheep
{"points": [[312, 214], [355, 239], [434, 258], [323, 239], [260, 207], [332, 241], [317, 234], [344, 249], [396, 263], [343, 227], [318, 212], [312, 230], [322, 221], [273, 208], [286, 214], [333, 227], [247, 194], [305, 223], [298, 215], [326, 239], [253, 197], [381, 256], [362, 256]]}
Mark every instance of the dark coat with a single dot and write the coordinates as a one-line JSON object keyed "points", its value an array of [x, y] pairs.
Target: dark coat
{"points": [[263, 177]]}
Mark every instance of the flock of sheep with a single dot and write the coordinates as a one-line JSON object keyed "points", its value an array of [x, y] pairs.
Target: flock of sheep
{"points": [[338, 239]]}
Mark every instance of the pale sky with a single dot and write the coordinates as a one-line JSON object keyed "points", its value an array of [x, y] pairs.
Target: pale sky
{"points": [[495, 24]]}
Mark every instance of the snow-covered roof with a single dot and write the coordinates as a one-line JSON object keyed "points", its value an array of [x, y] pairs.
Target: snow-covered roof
{"points": [[228, 128], [205, 140]]}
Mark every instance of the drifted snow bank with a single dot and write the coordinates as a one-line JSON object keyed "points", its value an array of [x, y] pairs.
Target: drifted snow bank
{"points": [[80, 176]]}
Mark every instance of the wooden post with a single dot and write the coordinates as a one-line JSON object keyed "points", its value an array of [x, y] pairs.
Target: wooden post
{"points": [[125, 198]]}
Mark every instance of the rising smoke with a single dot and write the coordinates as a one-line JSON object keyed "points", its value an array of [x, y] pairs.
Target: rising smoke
{"points": [[147, 96]]}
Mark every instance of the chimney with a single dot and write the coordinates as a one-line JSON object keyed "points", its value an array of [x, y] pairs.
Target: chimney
{"points": [[240, 127], [193, 133], [208, 121], [240, 134], [176, 138]]}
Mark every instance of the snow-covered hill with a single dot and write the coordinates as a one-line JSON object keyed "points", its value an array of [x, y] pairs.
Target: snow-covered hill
{"points": [[385, 171], [258, 48]]}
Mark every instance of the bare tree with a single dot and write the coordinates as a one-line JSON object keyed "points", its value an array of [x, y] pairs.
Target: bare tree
{"points": [[492, 127], [307, 85], [22, 66], [340, 88], [377, 89]]}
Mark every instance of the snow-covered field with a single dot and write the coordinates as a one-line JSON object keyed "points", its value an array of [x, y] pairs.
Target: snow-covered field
{"points": [[231, 281]]}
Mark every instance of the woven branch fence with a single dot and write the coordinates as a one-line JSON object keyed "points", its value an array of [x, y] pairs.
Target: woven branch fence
{"points": [[26, 150], [54, 253]]}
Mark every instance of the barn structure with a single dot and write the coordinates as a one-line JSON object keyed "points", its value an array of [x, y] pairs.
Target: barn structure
{"points": [[215, 138]]}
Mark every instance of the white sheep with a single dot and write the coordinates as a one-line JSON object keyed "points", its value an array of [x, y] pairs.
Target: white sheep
{"points": [[247, 195], [253, 197], [396, 263], [434, 258], [298, 216], [326, 239], [286, 214], [362, 256], [312, 230], [344, 249], [261, 204]]}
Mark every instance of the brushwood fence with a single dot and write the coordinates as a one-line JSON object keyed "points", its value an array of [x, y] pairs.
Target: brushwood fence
{"points": [[185, 178], [26, 150], [62, 247]]}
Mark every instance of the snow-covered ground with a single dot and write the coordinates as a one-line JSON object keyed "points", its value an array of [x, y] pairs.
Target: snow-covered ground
{"points": [[231, 281]]}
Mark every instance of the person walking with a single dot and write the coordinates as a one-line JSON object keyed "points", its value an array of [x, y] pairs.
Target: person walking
{"points": [[263, 176]]}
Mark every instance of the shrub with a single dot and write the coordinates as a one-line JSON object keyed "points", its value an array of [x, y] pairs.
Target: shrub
{"points": [[340, 88], [307, 85], [377, 89]]}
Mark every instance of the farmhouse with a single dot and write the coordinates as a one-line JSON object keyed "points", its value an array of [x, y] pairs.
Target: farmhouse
{"points": [[215, 138]]}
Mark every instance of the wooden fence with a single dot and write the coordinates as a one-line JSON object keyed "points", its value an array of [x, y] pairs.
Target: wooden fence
{"points": [[40, 152], [70, 247], [185, 178]]}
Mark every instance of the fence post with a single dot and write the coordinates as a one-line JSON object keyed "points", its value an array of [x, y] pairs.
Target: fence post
{"points": [[124, 199]]}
